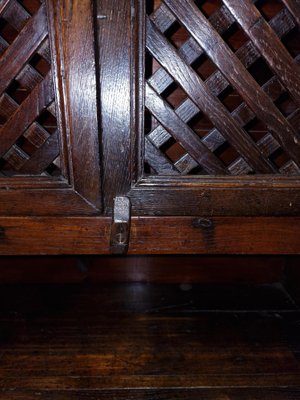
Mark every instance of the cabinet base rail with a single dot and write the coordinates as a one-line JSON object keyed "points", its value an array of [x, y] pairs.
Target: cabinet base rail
{"points": [[151, 235]]}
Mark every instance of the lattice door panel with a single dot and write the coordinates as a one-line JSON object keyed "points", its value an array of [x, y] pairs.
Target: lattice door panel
{"points": [[28, 125], [222, 89]]}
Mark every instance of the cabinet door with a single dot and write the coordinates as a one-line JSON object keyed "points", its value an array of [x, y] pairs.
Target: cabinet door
{"points": [[200, 106], [49, 147]]}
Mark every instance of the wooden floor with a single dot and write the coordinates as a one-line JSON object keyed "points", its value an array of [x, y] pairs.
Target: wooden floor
{"points": [[158, 342]]}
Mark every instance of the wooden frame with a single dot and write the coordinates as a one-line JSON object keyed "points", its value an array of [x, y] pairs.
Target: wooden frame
{"points": [[260, 195], [151, 235], [75, 89], [171, 214]]}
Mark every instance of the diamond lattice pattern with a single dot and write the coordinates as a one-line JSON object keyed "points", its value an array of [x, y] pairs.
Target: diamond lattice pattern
{"points": [[222, 87]]}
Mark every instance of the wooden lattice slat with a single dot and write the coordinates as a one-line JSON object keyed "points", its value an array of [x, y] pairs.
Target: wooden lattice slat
{"points": [[154, 157], [19, 53], [294, 7], [181, 132], [248, 55], [201, 96], [16, 15], [232, 72], [3, 5], [26, 114], [44, 156], [28, 128], [267, 43], [235, 72]]}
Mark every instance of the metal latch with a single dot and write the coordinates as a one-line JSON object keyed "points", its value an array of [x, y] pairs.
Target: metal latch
{"points": [[120, 228]]}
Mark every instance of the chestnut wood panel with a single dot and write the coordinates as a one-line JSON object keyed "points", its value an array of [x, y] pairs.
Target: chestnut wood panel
{"points": [[152, 235], [75, 79], [115, 43], [216, 196]]}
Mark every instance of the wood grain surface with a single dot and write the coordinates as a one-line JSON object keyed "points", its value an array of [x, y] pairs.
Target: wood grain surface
{"points": [[133, 341], [151, 235]]}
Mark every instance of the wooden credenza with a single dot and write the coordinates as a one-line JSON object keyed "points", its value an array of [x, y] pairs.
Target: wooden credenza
{"points": [[149, 127]]}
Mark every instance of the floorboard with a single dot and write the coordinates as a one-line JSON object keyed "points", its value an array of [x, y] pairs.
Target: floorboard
{"points": [[149, 341]]}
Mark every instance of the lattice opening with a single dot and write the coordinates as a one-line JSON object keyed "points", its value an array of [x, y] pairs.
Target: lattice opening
{"points": [[40, 64], [17, 92], [7, 107], [48, 121], [269, 8], [7, 32], [235, 37], [208, 7], [227, 153], [177, 34], [174, 95], [201, 125], [261, 72], [279, 158], [252, 121], [174, 151], [53, 169], [231, 98], [32, 145], [286, 104], [31, 6], [204, 67], [256, 129], [292, 42]]}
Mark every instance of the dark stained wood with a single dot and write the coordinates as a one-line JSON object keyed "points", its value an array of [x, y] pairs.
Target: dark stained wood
{"points": [[114, 62], [180, 269], [31, 145], [149, 341], [292, 277], [198, 92], [43, 157], [215, 236], [92, 146], [23, 48], [44, 197], [28, 111], [154, 394], [76, 93], [268, 44], [182, 133], [231, 67], [15, 14], [3, 5], [211, 196], [151, 235], [282, 23], [294, 7], [155, 158], [190, 50], [148, 269]]}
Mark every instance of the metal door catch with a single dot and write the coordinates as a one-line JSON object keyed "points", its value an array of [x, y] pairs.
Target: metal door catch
{"points": [[120, 228]]}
